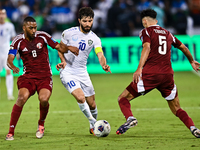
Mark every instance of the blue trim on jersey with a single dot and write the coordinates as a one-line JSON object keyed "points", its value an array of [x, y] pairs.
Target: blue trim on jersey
{"points": [[53, 40], [13, 51]]}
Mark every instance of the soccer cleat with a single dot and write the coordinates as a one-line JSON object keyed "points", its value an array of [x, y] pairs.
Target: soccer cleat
{"points": [[40, 132], [9, 137], [10, 98], [92, 131], [195, 132], [123, 128]]}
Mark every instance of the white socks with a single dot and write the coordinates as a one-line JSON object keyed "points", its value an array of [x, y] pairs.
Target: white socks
{"points": [[86, 110], [9, 84], [94, 112]]}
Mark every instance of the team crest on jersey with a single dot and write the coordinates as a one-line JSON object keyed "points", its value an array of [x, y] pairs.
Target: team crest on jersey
{"points": [[39, 45], [74, 37], [90, 42]]}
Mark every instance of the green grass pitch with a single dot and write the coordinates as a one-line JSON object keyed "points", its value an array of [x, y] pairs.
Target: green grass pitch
{"points": [[66, 128]]}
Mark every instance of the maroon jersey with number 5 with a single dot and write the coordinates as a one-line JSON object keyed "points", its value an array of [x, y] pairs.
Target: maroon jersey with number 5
{"points": [[159, 59], [34, 54]]}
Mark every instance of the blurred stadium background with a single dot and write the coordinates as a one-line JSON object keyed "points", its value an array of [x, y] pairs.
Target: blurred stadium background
{"points": [[117, 23]]}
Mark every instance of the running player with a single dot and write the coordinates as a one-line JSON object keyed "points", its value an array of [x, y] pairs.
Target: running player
{"points": [[37, 76], [155, 71], [7, 33], [74, 75]]}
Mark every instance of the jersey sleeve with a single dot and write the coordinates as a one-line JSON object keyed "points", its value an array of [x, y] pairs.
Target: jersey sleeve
{"points": [[48, 39], [64, 37], [144, 36], [176, 43], [97, 42]]}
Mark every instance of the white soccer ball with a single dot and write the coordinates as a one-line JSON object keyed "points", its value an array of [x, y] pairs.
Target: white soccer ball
{"points": [[101, 128]]}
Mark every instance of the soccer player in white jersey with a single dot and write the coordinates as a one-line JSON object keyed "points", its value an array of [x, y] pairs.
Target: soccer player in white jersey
{"points": [[7, 33], [73, 74]]}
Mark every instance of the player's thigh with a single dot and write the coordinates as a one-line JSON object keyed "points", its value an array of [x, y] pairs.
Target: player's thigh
{"points": [[23, 82], [3, 62], [79, 95], [167, 87], [23, 95], [44, 95], [87, 86], [70, 82]]}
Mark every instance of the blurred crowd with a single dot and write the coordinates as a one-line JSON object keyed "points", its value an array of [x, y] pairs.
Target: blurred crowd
{"points": [[113, 18]]}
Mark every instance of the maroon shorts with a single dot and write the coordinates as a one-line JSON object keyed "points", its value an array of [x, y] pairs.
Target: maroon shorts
{"points": [[33, 84], [163, 82]]}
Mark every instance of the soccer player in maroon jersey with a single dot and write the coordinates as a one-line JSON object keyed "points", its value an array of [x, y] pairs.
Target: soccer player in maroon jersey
{"points": [[37, 76], [155, 71]]}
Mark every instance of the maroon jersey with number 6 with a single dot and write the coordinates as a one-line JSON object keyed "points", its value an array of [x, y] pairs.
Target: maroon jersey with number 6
{"points": [[159, 59], [34, 54]]}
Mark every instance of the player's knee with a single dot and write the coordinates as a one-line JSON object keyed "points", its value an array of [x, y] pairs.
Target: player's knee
{"points": [[80, 98], [43, 98], [21, 100]]}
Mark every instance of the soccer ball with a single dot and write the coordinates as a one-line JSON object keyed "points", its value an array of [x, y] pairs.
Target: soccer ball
{"points": [[101, 128]]}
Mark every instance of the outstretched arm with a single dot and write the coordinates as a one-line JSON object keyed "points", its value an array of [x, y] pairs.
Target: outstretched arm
{"points": [[10, 63], [144, 55], [195, 65], [102, 61], [63, 48]]}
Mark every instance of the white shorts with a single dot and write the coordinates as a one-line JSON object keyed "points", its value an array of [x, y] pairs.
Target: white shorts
{"points": [[3, 63], [72, 82]]}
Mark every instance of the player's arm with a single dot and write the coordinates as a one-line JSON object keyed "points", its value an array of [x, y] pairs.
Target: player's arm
{"points": [[102, 59], [185, 50], [63, 62], [143, 58], [63, 48], [11, 56]]}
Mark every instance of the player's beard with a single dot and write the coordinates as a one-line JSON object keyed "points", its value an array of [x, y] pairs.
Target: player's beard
{"points": [[86, 30]]}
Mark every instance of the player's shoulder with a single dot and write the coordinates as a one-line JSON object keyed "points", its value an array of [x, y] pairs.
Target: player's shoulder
{"points": [[42, 33], [9, 24], [93, 34], [71, 30], [17, 38]]}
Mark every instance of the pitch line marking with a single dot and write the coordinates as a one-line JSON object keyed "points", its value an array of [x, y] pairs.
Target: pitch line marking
{"points": [[110, 110]]}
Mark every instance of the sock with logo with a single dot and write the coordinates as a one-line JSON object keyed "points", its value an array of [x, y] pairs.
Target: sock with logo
{"points": [[43, 114], [16, 112]]}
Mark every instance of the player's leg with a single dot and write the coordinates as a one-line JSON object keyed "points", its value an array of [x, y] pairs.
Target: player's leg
{"points": [[125, 106], [44, 90], [93, 109], [83, 105], [92, 104], [9, 84], [43, 96], [174, 105], [23, 96]]}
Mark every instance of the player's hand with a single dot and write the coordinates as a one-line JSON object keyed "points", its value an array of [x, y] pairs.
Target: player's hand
{"points": [[74, 50], [137, 75], [106, 68], [15, 70], [61, 65], [195, 65]]}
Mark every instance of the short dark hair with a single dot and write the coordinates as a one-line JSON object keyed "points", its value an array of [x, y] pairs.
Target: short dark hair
{"points": [[149, 13], [28, 19], [85, 11]]}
